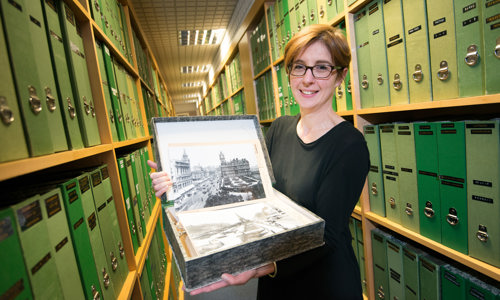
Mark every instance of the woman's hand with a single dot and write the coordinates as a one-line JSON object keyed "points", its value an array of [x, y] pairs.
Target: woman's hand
{"points": [[240, 279], [161, 180]]}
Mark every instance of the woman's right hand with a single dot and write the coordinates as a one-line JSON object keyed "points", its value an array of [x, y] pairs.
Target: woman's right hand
{"points": [[161, 180]]}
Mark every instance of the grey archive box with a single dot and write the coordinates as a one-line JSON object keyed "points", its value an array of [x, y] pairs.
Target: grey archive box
{"points": [[222, 213]]}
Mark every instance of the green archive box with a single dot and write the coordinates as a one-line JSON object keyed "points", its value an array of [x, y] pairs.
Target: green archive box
{"points": [[133, 197], [417, 50], [313, 14], [23, 58], [14, 281], [72, 198], [106, 90], [375, 177], [135, 166], [141, 186], [430, 269], [395, 268], [453, 185], [470, 51], [104, 269], [11, 128], [453, 283], [128, 204], [411, 259], [442, 49], [113, 92], [113, 221], [378, 54], [106, 221], [408, 187], [145, 287], [38, 255], [46, 75], [322, 11], [340, 6], [61, 242], [396, 51], [390, 172], [364, 59], [61, 74], [79, 75], [379, 260], [126, 105], [354, 240], [331, 9], [483, 193], [358, 226], [479, 290], [491, 40], [426, 154]]}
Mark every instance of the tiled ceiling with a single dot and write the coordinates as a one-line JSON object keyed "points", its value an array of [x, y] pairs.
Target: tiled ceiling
{"points": [[161, 21]]}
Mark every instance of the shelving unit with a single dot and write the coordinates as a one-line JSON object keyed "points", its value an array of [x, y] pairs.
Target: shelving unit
{"points": [[481, 106], [107, 152]]}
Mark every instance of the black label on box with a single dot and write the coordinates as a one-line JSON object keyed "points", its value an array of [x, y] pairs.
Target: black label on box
{"points": [[470, 21], [6, 228], [415, 29], [40, 264], [53, 205], [440, 34], [469, 7], [482, 183], [29, 215], [482, 199], [439, 21]]}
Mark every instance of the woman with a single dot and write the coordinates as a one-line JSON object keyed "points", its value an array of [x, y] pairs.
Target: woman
{"points": [[320, 161]]}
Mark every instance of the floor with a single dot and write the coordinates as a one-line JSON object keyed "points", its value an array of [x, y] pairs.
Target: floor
{"points": [[242, 292]]}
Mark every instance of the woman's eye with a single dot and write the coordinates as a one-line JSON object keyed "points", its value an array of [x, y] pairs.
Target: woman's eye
{"points": [[298, 67]]}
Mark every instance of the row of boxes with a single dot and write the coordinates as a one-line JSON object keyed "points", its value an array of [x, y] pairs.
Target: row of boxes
{"points": [[259, 45], [236, 103], [265, 96], [155, 267], [121, 96], [45, 99], [144, 64], [402, 271], [358, 247], [109, 15], [61, 239], [138, 193], [417, 51], [287, 17], [439, 179]]}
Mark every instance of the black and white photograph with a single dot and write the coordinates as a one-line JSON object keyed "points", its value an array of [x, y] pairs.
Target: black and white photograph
{"points": [[214, 230], [207, 175]]}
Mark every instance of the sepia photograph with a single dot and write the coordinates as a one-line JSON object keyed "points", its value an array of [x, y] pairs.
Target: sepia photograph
{"points": [[214, 230], [214, 174]]}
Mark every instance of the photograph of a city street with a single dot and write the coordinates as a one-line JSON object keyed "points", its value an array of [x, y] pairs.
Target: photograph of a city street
{"points": [[214, 230], [214, 174]]}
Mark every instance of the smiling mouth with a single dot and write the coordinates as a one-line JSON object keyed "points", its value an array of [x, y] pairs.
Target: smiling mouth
{"points": [[308, 92]]}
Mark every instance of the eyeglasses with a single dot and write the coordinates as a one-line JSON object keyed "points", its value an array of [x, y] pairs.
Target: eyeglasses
{"points": [[322, 71]]}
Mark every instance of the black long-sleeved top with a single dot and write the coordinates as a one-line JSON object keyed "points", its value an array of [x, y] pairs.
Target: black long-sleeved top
{"points": [[326, 177]]}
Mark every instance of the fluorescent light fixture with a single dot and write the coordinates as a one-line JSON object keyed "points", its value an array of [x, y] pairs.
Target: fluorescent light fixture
{"points": [[193, 37]]}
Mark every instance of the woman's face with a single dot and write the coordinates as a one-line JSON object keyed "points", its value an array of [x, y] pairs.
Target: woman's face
{"points": [[311, 93]]}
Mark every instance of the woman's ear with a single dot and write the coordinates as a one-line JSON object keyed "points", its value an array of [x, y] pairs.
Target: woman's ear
{"points": [[341, 76]]}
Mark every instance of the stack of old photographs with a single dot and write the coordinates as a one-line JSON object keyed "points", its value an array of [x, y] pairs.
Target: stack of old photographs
{"points": [[222, 214]]}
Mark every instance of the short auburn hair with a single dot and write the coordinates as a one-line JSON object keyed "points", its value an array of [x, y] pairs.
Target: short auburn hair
{"points": [[330, 36]]}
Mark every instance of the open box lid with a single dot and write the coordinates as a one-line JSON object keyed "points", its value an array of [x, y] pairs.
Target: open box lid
{"points": [[198, 152]]}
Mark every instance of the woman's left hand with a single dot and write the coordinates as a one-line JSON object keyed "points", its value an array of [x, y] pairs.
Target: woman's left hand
{"points": [[240, 279]]}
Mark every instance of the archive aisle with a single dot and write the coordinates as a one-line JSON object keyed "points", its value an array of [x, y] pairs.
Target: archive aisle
{"points": [[422, 89]]}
